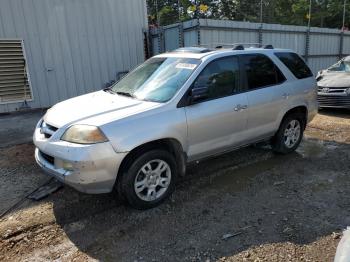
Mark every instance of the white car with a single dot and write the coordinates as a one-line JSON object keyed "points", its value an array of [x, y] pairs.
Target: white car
{"points": [[137, 136], [334, 85]]}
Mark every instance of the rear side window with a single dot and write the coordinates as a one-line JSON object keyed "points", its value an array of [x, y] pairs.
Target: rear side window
{"points": [[261, 71], [295, 64], [221, 77]]}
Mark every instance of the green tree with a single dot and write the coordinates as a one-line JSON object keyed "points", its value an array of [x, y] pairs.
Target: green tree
{"points": [[168, 11], [324, 13]]}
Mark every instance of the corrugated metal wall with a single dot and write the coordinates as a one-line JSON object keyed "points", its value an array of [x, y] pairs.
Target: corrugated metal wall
{"points": [[74, 46], [321, 47]]}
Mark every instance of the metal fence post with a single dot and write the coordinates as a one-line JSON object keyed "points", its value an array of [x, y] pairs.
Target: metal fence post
{"points": [[181, 35], [159, 40], [341, 43], [260, 34], [307, 44], [198, 32], [163, 40], [147, 43]]}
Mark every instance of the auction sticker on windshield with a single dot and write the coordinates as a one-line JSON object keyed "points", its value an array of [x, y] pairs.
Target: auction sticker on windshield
{"points": [[186, 66]]}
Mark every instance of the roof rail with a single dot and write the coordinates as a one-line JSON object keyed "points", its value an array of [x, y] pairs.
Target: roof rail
{"points": [[193, 49], [205, 48], [237, 46], [267, 47], [233, 46]]}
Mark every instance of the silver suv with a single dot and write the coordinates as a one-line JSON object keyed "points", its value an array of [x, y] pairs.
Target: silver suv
{"points": [[137, 136]]}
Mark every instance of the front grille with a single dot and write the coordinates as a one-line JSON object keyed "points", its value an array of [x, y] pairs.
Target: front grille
{"points": [[48, 158], [47, 130], [334, 101], [331, 90]]}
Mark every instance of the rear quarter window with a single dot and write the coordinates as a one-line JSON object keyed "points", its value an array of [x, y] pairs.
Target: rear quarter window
{"points": [[295, 64]]}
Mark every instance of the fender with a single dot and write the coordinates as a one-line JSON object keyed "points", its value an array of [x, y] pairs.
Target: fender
{"points": [[131, 132]]}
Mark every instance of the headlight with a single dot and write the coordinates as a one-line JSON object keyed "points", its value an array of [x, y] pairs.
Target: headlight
{"points": [[84, 134], [347, 91]]}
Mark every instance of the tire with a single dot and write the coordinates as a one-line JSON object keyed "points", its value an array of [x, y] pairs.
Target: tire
{"points": [[284, 143], [143, 185]]}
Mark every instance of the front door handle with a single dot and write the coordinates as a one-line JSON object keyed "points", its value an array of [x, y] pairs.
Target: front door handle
{"points": [[285, 95], [240, 107]]}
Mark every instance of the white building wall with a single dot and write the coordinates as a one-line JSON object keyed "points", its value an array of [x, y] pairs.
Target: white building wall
{"points": [[74, 47]]}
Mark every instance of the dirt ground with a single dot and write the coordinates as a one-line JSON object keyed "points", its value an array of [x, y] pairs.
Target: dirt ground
{"points": [[249, 205]]}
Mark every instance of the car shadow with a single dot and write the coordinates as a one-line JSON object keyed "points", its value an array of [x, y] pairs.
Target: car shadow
{"points": [[266, 198], [335, 112]]}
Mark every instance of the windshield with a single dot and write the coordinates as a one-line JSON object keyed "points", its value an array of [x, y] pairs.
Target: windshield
{"points": [[157, 80], [341, 66]]}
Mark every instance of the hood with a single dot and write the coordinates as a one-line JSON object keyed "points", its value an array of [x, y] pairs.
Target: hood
{"points": [[95, 108], [334, 79]]}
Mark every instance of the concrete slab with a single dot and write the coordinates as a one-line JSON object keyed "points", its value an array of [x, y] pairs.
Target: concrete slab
{"points": [[17, 128]]}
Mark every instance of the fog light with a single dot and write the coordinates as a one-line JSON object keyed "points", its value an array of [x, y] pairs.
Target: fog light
{"points": [[67, 166]]}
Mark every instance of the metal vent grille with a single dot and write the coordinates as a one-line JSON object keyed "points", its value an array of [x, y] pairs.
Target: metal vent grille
{"points": [[14, 84]]}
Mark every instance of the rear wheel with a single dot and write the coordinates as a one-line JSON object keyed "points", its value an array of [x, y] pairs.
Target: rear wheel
{"points": [[150, 179], [289, 135]]}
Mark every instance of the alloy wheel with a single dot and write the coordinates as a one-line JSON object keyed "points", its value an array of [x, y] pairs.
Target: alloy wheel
{"points": [[152, 180], [292, 133]]}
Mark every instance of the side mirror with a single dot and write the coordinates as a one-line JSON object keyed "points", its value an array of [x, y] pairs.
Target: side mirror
{"points": [[199, 94]]}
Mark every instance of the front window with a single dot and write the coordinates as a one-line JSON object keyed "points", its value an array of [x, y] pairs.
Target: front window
{"points": [[341, 66], [221, 77], [158, 79]]}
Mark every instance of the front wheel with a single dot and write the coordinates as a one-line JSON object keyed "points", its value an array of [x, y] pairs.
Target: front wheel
{"points": [[289, 135], [150, 179]]}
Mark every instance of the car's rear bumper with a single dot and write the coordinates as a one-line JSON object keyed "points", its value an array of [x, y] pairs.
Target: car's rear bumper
{"points": [[87, 168], [333, 100]]}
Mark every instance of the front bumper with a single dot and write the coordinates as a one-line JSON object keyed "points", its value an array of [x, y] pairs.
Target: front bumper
{"points": [[93, 168]]}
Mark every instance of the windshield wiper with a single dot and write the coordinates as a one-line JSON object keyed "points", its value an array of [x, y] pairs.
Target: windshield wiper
{"points": [[109, 89], [124, 94]]}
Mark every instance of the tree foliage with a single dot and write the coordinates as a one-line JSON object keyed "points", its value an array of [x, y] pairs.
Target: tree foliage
{"points": [[324, 13]]}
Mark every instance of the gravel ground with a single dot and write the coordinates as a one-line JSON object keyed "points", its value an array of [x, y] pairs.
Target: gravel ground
{"points": [[249, 205]]}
